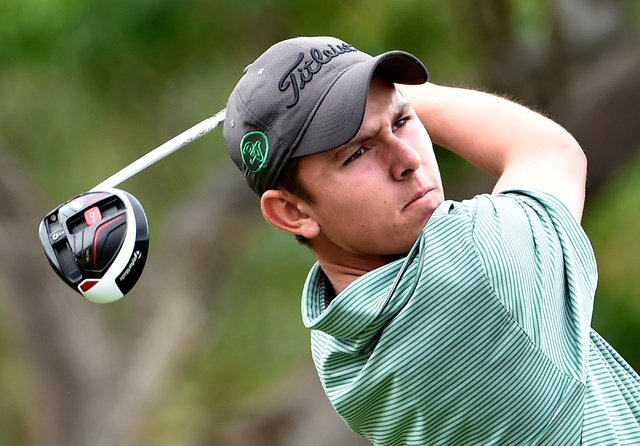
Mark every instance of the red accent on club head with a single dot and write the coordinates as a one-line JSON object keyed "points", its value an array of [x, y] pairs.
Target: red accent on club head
{"points": [[87, 285], [95, 239], [89, 199], [92, 216]]}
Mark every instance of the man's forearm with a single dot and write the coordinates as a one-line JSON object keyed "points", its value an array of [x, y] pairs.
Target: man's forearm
{"points": [[511, 143]]}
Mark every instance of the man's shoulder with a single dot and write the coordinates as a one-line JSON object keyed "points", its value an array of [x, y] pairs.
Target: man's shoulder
{"points": [[508, 202]]}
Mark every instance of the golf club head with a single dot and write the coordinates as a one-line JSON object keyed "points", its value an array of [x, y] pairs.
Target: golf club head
{"points": [[97, 243]]}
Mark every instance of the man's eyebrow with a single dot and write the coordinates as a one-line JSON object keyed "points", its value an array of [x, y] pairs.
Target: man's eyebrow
{"points": [[401, 110], [357, 140]]}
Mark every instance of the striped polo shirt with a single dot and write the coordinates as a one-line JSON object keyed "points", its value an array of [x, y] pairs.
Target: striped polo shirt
{"points": [[480, 336]]}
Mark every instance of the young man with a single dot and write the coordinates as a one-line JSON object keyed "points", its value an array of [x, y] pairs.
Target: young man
{"points": [[433, 322]]}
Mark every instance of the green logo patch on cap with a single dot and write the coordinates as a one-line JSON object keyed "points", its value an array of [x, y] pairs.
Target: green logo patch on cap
{"points": [[254, 149]]}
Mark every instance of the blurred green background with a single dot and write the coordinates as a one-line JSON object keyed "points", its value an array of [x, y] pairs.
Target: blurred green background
{"points": [[87, 86]]}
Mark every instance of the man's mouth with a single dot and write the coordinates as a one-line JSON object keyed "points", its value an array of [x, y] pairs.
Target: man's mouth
{"points": [[421, 193]]}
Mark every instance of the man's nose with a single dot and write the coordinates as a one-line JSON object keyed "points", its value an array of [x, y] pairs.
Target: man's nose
{"points": [[406, 159]]}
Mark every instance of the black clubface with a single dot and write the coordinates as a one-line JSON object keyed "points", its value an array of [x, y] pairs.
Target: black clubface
{"points": [[97, 243]]}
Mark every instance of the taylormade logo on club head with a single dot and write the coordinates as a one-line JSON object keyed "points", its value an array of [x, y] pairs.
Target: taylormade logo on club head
{"points": [[134, 258], [254, 149], [309, 68]]}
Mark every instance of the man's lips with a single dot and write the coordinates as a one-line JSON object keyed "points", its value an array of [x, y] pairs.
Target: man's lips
{"points": [[418, 195]]}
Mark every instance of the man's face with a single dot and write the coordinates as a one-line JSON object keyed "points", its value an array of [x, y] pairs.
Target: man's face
{"points": [[373, 195]]}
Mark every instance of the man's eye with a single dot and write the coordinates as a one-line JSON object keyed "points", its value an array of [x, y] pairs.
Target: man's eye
{"points": [[400, 123], [357, 154]]}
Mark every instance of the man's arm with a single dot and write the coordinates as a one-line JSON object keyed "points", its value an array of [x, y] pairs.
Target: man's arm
{"points": [[511, 143]]}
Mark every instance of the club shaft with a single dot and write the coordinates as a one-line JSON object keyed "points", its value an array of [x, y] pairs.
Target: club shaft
{"points": [[164, 150]]}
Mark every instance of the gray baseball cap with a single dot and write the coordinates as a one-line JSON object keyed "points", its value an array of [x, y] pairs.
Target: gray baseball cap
{"points": [[303, 96]]}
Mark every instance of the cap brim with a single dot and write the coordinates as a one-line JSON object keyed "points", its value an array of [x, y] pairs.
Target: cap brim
{"points": [[339, 116]]}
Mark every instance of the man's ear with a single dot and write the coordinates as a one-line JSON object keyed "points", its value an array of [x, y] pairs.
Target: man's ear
{"points": [[283, 210]]}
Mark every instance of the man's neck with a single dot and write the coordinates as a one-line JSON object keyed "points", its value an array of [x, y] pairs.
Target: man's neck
{"points": [[343, 267]]}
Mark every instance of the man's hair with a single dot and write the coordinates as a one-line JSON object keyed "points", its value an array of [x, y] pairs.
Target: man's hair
{"points": [[291, 184]]}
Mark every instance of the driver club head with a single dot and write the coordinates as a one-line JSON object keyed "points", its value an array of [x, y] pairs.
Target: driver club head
{"points": [[97, 243]]}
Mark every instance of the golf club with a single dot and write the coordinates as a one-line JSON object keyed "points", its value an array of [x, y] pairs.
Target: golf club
{"points": [[98, 241]]}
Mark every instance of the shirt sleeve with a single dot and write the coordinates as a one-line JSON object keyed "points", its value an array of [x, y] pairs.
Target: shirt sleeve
{"points": [[542, 268]]}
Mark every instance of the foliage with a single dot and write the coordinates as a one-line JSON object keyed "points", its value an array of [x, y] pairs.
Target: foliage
{"points": [[17, 401], [88, 86], [612, 223], [255, 336]]}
